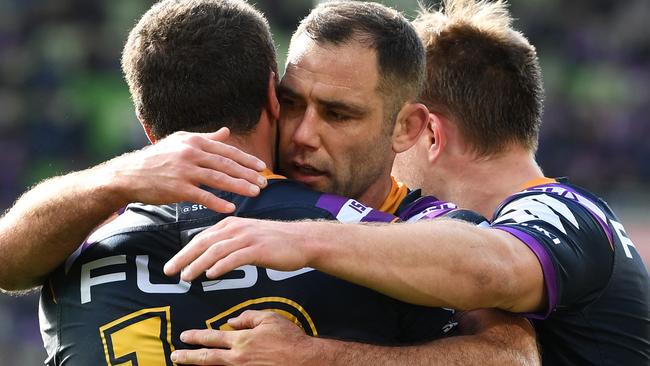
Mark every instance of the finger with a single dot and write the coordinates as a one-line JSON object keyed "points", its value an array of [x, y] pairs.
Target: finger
{"points": [[201, 356], [208, 338], [197, 246], [233, 153], [214, 178], [207, 199], [232, 257], [249, 319], [212, 255]]}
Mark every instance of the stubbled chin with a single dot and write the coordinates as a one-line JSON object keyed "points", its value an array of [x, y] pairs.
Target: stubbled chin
{"points": [[318, 183]]}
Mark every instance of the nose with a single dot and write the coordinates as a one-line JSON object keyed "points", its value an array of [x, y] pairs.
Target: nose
{"points": [[306, 134]]}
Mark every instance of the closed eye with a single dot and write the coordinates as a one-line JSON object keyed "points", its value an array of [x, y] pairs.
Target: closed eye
{"points": [[336, 116]]}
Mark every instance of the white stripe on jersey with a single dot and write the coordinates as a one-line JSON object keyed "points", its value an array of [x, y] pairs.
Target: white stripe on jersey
{"points": [[538, 207]]}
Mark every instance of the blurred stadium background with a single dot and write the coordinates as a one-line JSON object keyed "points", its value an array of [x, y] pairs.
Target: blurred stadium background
{"points": [[64, 105]]}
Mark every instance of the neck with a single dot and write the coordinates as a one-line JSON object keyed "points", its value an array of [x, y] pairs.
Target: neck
{"points": [[260, 142], [482, 184], [376, 194], [254, 144]]}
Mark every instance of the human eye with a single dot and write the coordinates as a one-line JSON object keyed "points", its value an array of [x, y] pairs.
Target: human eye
{"points": [[336, 116], [287, 101]]}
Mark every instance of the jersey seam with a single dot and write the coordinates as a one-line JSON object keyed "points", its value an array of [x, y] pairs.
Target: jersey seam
{"points": [[594, 221], [211, 221]]}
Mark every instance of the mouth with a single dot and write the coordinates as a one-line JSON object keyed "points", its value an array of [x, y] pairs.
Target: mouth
{"points": [[306, 173]]}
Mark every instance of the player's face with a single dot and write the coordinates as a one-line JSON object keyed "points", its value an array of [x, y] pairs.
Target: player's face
{"points": [[332, 131]]}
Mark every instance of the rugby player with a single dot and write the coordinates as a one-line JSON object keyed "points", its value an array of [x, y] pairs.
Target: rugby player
{"points": [[119, 266], [552, 250]]}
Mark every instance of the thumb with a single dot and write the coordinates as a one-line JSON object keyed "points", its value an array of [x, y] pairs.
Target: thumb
{"points": [[219, 135], [249, 319]]}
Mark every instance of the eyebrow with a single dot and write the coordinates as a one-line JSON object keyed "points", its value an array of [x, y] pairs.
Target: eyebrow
{"points": [[344, 106], [352, 108], [286, 91]]}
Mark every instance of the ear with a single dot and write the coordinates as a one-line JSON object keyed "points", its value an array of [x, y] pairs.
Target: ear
{"points": [[411, 121], [272, 103], [147, 129], [438, 136]]}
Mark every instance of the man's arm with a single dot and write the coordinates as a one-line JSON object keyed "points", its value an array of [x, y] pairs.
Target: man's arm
{"points": [[491, 338], [443, 262], [49, 222]]}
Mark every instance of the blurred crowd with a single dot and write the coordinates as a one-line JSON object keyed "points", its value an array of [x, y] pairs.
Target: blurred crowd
{"points": [[64, 105]]}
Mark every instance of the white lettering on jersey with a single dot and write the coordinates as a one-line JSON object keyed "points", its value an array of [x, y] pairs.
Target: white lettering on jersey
{"points": [[283, 275], [192, 208], [622, 236], [87, 281], [548, 234], [449, 326], [539, 207], [249, 280], [352, 212], [145, 285]]}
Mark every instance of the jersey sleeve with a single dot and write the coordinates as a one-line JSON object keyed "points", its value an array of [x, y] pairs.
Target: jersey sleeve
{"points": [[570, 243]]}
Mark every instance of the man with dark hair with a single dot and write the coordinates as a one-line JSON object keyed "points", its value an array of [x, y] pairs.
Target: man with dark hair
{"points": [[182, 76], [111, 291], [329, 91], [553, 250]]}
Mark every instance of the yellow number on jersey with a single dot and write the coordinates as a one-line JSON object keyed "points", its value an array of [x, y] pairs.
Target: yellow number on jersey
{"points": [[141, 338]]}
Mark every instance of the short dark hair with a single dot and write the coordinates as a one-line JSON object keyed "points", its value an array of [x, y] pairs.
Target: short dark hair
{"points": [[482, 74], [400, 54], [198, 65]]}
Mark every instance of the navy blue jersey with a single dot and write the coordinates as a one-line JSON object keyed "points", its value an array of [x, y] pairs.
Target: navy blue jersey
{"points": [[111, 304], [598, 290]]}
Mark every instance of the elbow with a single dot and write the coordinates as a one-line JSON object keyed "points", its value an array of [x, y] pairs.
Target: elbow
{"points": [[15, 284], [9, 286]]}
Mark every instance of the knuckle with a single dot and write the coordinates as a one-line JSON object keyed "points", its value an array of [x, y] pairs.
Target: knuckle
{"points": [[204, 356], [228, 220], [247, 313], [193, 139], [186, 152], [239, 357], [219, 159], [231, 164], [204, 195], [207, 338], [217, 177], [212, 250], [176, 135]]}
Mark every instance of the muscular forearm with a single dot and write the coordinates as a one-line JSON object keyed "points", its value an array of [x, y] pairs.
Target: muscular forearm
{"points": [[264, 338], [442, 262], [49, 222], [509, 343]]}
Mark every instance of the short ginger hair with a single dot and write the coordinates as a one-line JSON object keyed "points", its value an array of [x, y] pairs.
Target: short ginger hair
{"points": [[482, 74]]}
